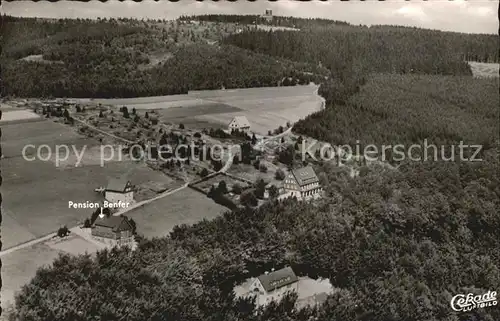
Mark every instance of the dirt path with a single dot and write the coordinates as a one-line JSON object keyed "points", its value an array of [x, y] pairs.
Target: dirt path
{"points": [[27, 244]]}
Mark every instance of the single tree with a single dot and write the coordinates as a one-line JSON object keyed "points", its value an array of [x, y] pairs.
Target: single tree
{"points": [[273, 191], [248, 199], [237, 188], [280, 174], [204, 172], [222, 187]]}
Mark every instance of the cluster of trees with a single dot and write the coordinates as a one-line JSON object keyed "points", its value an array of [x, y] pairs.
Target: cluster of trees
{"points": [[397, 245], [218, 195]]}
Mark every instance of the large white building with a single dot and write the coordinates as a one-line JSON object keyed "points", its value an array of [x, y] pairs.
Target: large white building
{"points": [[273, 285], [239, 123], [119, 190], [302, 183]]}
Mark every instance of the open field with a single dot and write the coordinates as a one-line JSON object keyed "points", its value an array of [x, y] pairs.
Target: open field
{"points": [[18, 116], [266, 108], [49, 188], [482, 69], [184, 207]]}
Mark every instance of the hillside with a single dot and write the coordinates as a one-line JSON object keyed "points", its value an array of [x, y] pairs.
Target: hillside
{"points": [[408, 109], [130, 58]]}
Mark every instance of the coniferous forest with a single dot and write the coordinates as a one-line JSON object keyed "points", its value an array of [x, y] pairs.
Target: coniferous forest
{"points": [[395, 244]]}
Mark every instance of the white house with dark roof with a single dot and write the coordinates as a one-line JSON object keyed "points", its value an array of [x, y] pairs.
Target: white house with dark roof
{"points": [[119, 189], [239, 123], [271, 286], [302, 183]]}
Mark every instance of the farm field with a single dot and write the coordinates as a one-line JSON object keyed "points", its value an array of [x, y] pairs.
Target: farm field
{"points": [[484, 70], [19, 115], [49, 188], [184, 207], [266, 108]]}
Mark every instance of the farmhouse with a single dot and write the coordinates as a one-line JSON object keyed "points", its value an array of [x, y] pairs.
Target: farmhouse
{"points": [[239, 123], [272, 286], [302, 183], [113, 230], [119, 190]]}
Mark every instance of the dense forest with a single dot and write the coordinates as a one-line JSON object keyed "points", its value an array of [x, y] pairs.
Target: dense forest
{"points": [[119, 58], [396, 244], [376, 49], [109, 58], [408, 109]]}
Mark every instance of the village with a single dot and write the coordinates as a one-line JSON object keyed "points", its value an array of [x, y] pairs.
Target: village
{"points": [[232, 166]]}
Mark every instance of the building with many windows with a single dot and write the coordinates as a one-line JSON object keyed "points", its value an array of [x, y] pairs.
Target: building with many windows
{"points": [[302, 183]]}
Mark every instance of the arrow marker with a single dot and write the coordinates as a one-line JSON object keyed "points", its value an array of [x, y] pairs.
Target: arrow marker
{"points": [[102, 214]]}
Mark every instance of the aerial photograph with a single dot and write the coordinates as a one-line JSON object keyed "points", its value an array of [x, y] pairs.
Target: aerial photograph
{"points": [[250, 160]]}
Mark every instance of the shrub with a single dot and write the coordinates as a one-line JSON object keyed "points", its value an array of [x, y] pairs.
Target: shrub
{"points": [[280, 174]]}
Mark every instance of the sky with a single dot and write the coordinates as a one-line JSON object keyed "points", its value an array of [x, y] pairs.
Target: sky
{"points": [[473, 16]]}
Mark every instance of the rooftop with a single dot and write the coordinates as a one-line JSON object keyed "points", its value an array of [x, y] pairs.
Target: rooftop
{"points": [[305, 175], [117, 223], [117, 184], [278, 279], [241, 121]]}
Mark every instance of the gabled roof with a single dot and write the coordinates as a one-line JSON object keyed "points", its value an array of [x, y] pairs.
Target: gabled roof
{"points": [[241, 121], [305, 175], [118, 184], [117, 223], [278, 279]]}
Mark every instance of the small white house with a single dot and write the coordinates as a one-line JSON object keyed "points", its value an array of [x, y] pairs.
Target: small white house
{"points": [[119, 190], [239, 123], [274, 285]]}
